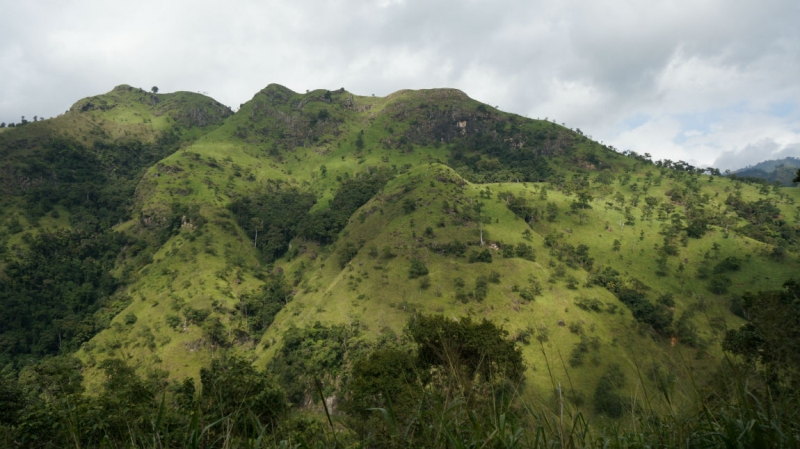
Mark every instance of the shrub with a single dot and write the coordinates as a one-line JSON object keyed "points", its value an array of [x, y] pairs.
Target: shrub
{"points": [[196, 316], [697, 228], [409, 205], [727, 264], [525, 251], [606, 400], [386, 253], [386, 371], [508, 251], [477, 347], [173, 321], [481, 288], [484, 256], [347, 254], [233, 387], [589, 304], [425, 283], [666, 300], [719, 284], [417, 269]]}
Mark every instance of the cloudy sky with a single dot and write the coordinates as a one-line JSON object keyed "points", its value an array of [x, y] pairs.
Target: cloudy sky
{"points": [[711, 82]]}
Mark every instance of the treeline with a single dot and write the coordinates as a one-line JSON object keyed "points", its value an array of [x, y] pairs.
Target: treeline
{"points": [[94, 183]]}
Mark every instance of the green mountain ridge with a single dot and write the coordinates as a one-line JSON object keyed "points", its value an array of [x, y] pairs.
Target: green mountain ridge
{"points": [[236, 232], [781, 171]]}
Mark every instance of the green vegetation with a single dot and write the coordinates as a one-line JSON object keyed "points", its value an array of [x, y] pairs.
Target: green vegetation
{"points": [[329, 270], [59, 293], [781, 172]]}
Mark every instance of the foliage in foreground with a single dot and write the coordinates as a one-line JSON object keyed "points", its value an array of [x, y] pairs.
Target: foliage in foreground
{"points": [[458, 387]]}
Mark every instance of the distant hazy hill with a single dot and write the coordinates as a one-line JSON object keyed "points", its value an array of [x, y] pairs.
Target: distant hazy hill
{"points": [[781, 170]]}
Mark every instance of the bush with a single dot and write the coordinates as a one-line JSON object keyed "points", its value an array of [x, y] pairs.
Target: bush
{"points": [[386, 253], [233, 387], [417, 269], [484, 256], [727, 264], [196, 316], [425, 283], [454, 248], [481, 288], [719, 284], [666, 300], [659, 317], [697, 228], [409, 205], [589, 304], [347, 254], [477, 347], [606, 400], [507, 251], [173, 321], [525, 251], [214, 332], [386, 371]]}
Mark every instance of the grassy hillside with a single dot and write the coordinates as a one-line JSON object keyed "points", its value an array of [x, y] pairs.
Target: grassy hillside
{"points": [[595, 256], [158, 235]]}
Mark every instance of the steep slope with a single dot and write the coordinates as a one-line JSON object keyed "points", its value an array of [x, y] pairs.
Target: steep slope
{"points": [[362, 211], [65, 183], [99, 142]]}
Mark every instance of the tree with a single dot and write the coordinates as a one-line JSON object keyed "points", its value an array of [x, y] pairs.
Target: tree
{"points": [[387, 371], [467, 347], [360, 141], [232, 387], [154, 89], [417, 269], [606, 400], [12, 400], [605, 178], [478, 216], [797, 178], [772, 334], [257, 224]]}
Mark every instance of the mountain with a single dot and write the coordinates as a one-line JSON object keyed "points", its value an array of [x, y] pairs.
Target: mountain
{"points": [[70, 180], [306, 230], [782, 171]]}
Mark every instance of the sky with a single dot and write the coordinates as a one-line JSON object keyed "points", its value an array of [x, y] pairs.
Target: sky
{"points": [[710, 82]]}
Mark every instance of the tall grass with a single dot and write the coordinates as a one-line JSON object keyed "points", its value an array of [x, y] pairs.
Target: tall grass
{"points": [[739, 410]]}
